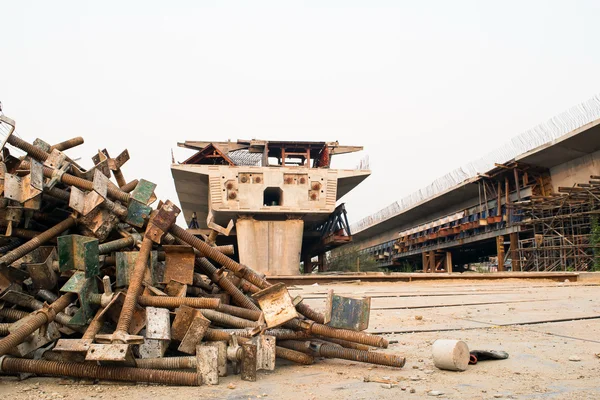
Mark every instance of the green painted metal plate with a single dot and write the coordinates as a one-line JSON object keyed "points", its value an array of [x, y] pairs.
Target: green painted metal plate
{"points": [[125, 261], [83, 287], [143, 191], [347, 313], [76, 252]]}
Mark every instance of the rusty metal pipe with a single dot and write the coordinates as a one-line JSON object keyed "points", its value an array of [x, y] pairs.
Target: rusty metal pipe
{"points": [[36, 242], [34, 322], [67, 144], [93, 371]]}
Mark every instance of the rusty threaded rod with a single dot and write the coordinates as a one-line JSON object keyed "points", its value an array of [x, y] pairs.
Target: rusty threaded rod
{"points": [[88, 370], [174, 302], [80, 183], [334, 351], [33, 322], [236, 294], [279, 334], [228, 320], [184, 362], [4, 328], [12, 314], [36, 242], [309, 313], [109, 247], [118, 174], [95, 325], [61, 317], [346, 344], [210, 252], [135, 287], [199, 282], [128, 187], [252, 315], [217, 335], [67, 144], [31, 150], [345, 334]]}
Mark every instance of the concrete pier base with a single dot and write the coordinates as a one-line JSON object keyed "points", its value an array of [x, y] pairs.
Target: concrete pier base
{"points": [[270, 247]]}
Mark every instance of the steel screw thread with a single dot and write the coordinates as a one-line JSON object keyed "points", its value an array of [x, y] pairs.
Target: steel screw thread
{"points": [[236, 294], [333, 351], [114, 245], [130, 186], [13, 244], [119, 177], [280, 334], [116, 208], [58, 193], [217, 256], [81, 183], [309, 313], [33, 322], [216, 335], [37, 241], [95, 325], [245, 313], [295, 356], [345, 334], [88, 370], [228, 320], [135, 286], [348, 345], [4, 328], [185, 362], [31, 150], [174, 302], [68, 144], [12, 314]]}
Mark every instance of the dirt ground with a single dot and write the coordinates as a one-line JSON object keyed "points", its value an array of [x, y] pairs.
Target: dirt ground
{"points": [[551, 331]]}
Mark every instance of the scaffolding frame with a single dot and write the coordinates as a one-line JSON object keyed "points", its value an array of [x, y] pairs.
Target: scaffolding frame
{"points": [[559, 229]]}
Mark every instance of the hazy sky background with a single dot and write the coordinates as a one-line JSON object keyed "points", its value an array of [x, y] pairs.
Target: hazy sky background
{"points": [[424, 86]]}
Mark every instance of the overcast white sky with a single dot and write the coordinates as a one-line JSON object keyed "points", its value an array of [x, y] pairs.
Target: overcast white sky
{"points": [[424, 86]]}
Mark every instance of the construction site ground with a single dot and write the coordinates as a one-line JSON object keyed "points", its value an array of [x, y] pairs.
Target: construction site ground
{"points": [[550, 329]]}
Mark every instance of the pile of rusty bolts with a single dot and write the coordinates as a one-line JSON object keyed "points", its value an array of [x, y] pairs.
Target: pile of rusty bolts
{"points": [[96, 283]]}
